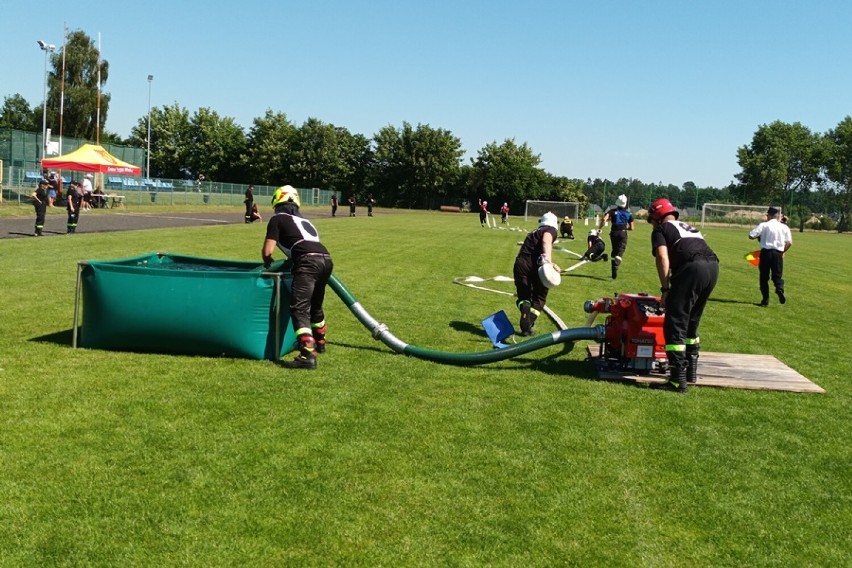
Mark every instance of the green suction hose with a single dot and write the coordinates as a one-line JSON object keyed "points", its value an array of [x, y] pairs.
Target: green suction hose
{"points": [[380, 331]]}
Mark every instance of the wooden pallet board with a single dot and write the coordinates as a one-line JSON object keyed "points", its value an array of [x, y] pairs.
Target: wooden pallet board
{"points": [[727, 370]]}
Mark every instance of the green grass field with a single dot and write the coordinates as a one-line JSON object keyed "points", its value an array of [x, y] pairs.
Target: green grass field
{"points": [[133, 459]]}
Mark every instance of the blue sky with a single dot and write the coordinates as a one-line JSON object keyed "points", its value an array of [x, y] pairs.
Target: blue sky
{"points": [[663, 91]]}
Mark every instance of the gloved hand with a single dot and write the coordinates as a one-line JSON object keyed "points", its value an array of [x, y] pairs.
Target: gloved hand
{"points": [[555, 267]]}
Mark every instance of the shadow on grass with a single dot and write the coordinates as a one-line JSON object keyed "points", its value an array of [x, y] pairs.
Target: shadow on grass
{"points": [[64, 337], [727, 301], [589, 276], [468, 327]]}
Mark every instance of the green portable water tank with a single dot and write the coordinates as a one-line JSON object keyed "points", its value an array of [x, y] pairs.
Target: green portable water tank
{"points": [[168, 303]]}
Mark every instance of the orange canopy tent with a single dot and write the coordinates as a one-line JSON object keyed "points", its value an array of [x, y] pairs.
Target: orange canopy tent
{"points": [[91, 158]]}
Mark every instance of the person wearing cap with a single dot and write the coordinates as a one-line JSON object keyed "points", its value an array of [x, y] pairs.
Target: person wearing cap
{"points": [[87, 188], [504, 213], [566, 228], [40, 205], [596, 247], [73, 201], [688, 270], [536, 250], [622, 221], [311, 268], [775, 240]]}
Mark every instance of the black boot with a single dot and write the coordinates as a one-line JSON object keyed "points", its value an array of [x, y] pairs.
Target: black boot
{"points": [[307, 357], [615, 262], [677, 374], [691, 364]]}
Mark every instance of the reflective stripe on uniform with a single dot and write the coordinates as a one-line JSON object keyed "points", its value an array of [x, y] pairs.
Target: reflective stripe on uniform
{"points": [[690, 341], [675, 348], [303, 331]]}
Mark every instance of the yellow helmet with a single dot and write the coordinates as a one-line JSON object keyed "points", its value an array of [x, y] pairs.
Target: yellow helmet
{"points": [[285, 194]]}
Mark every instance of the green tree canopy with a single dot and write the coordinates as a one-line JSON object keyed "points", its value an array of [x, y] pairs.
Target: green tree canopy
{"points": [[16, 113], [80, 111], [839, 167], [269, 144], [170, 140], [509, 172]]}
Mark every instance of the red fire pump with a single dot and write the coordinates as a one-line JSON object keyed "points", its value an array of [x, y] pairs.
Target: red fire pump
{"points": [[634, 338]]}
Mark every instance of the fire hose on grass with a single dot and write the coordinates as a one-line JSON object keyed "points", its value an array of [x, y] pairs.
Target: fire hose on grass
{"points": [[381, 332]]}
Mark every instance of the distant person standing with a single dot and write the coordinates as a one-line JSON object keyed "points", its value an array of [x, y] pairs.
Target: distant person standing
{"points": [[483, 213], [249, 202], [352, 203], [73, 200], [688, 270], [40, 205], [504, 214], [87, 188], [52, 189], [775, 241], [333, 204], [622, 221], [370, 203]]}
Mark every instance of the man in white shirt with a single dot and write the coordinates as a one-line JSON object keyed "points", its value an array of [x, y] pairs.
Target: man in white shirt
{"points": [[775, 240], [87, 191]]}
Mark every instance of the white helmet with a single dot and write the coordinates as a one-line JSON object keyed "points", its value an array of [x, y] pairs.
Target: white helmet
{"points": [[593, 233], [485, 203], [549, 276], [548, 219], [621, 201]]}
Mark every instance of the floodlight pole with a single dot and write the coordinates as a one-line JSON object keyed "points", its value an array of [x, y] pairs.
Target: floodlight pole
{"points": [[148, 153], [46, 48]]}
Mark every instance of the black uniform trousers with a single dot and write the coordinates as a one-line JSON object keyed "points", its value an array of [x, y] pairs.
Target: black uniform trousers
{"points": [[689, 291], [771, 265], [310, 275], [528, 286], [618, 238]]}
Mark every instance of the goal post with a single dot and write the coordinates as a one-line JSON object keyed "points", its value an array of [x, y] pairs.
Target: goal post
{"points": [[733, 213], [535, 209]]}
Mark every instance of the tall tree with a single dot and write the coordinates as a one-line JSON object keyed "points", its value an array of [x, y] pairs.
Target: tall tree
{"points": [[509, 172], [16, 113], [80, 112], [269, 146], [316, 156], [783, 159], [170, 140], [216, 146], [415, 167], [839, 169]]}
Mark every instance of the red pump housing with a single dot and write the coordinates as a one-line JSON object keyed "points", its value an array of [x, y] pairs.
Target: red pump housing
{"points": [[634, 332]]}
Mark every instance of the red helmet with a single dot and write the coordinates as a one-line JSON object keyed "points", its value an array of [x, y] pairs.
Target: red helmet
{"points": [[660, 208]]}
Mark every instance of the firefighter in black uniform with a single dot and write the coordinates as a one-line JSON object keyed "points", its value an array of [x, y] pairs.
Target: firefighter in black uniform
{"points": [[688, 269], [73, 200], [536, 250], [249, 201], [566, 228], [299, 240], [622, 221], [40, 204]]}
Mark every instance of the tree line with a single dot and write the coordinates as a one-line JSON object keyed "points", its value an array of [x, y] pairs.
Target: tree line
{"points": [[421, 166]]}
